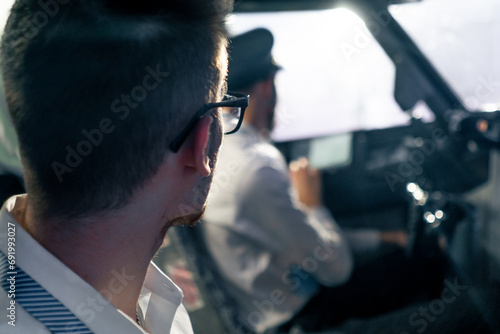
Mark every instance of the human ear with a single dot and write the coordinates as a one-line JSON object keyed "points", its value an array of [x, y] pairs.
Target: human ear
{"points": [[201, 140]]}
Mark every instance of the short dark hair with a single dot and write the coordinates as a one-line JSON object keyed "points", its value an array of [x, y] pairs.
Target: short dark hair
{"points": [[97, 89]]}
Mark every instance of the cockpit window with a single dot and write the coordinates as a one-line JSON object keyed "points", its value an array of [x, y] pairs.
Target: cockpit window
{"points": [[461, 38], [335, 79]]}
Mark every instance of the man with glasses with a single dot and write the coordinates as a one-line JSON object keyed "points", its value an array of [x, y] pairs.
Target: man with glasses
{"points": [[118, 107]]}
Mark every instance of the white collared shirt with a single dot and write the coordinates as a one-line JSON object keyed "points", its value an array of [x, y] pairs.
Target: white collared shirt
{"points": [[258, 235], [159, 309]]}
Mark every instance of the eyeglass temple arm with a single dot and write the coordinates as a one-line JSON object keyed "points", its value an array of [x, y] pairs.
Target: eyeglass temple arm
{"points": [[177, 143]]}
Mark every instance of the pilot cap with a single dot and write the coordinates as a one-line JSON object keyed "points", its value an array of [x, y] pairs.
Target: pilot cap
{"points": [[250, 59]]}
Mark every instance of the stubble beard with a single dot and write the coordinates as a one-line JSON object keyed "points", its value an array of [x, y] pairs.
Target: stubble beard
{"points": [[191, 219]]}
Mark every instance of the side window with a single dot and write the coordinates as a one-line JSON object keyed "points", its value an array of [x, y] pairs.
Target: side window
{"points": [[9, 154], [462, 40]]}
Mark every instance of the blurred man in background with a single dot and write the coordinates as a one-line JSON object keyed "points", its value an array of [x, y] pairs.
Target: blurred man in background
{"points": [[108, 100], [272, 239]]}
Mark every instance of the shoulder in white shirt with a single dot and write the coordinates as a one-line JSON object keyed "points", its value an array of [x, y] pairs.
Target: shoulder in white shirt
{"points": [[159, 309]]}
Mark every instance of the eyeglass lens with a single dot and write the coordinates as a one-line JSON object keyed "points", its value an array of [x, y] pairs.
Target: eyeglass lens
{"points": [[230, 118]]}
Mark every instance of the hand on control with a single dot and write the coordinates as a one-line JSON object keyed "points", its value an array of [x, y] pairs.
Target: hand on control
{"points": [[307, 182]]}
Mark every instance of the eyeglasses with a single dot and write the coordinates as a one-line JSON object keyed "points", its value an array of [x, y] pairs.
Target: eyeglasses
{"points": [[232, 108]]}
